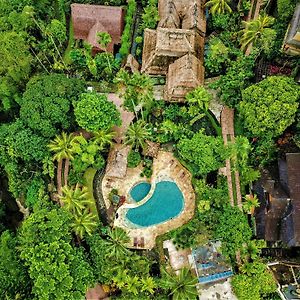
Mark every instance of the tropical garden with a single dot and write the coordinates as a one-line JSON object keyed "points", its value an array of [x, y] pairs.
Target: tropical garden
{"points": [[55, 136]]}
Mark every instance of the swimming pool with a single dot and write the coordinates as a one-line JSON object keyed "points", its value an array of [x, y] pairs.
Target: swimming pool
{"points": [[165, 203], [140, 191]]}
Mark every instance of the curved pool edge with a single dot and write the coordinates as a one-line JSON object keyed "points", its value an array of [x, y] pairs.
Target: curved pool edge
{"points": [[165, 165]]}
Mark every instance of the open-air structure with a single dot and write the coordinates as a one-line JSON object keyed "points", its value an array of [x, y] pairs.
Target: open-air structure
{"points": [[175, 49], [89, 19]]}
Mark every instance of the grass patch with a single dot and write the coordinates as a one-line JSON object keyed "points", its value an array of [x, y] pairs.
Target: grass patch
{"points": [[88, 177], [66, 56]]}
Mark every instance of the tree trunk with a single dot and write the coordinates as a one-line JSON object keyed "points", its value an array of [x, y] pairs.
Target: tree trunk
{"points": [[66, 171], [59, 176], [22, 209]]}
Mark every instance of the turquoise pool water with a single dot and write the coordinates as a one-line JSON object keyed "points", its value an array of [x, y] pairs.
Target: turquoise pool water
{"points": [[140, 191], [165, 203]]}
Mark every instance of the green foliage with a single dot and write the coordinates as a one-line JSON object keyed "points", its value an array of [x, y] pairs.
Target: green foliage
{"points": [[133, 159], [190, 235], [285, 9], [15, 66], [94, 112], [181, 286], [236, 78], [57, 270], [254, 282], [46, 103], [20, 143], [203, 153], [35, 191], [268, 109], [217, 57], [114, 264], [232, 229], [138, 92], [14, 280], [258, 33], [150, 16], [87, 153], [63, 146], [136, 134], [126, 36], [218, 6]]}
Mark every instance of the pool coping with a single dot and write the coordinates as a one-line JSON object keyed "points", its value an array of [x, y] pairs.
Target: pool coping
{"points": [[147, 198], [165, 165]]}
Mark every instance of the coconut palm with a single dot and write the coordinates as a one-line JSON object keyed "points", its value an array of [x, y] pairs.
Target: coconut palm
{"points": [[181, 286], [136, 134], [62, 146], [75, 199], [84, 224], [219, 6], [103, 138], [251, 202], [115, 244], [254, 30]]}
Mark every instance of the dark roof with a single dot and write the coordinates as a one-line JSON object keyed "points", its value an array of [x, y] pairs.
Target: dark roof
{"points": [[293, 166], [90, 19], [278, 217]]}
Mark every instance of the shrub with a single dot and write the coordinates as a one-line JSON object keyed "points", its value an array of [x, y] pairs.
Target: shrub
{"points": [[134, 159]]}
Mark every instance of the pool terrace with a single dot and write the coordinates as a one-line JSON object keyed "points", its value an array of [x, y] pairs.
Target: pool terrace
{"points": [[165, 168]]}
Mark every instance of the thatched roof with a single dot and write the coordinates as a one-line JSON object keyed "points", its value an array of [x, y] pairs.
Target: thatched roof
{"points": [[151, 149], [90, 19]]}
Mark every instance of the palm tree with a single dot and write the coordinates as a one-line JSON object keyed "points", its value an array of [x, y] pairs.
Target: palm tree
{"points": [[84, 224], [254, 30], [218, 6], [117, 239], [201, 98], [75, 199], [103, 138], [250, 204], [136, 134], [62, 146], [181, 286]]}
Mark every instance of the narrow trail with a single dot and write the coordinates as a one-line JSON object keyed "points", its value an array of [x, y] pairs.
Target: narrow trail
{"points": [[137, 20]]}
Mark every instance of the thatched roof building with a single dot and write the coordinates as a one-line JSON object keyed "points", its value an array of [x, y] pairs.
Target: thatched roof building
{"points": [[90, 19], [184, 75]]}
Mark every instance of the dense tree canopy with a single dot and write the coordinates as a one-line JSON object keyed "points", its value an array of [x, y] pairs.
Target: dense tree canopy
{"points": [[270, 106], [94, 112], [56, 268], [254, 282], [19, 142], [203, 153], [15, 65], [46, 103], [232, 229], [14, 280]]}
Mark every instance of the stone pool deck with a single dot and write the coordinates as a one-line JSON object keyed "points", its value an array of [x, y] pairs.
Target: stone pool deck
{"points": [[165, 166]]}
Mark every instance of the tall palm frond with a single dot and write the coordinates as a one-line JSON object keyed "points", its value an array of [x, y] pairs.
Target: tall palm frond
{"points": [[103, 138], [75, 199], [181, 286], [219, 6], [136, 134], [254, 30], [62, 146], [117, 239], [84, 224]]}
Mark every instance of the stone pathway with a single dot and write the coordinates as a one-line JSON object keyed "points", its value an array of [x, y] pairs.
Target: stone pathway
{"points": [[227, 125]]}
